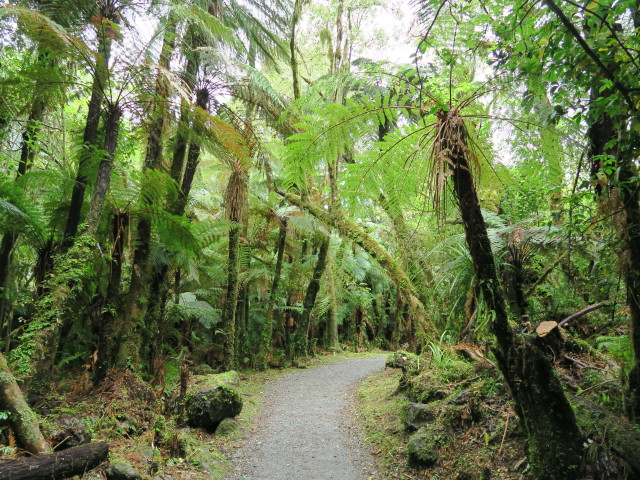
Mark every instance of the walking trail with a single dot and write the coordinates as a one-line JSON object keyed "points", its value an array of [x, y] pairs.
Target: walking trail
{"points": [[305, 427]]}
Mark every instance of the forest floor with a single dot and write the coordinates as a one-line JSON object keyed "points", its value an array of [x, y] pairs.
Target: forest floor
{"points": [[306, 428]]}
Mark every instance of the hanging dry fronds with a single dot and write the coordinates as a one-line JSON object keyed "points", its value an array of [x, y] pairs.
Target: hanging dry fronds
{"points": [[450, 151], [236, 196]]}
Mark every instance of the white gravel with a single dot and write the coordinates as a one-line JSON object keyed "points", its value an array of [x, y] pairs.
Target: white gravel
{"points": [[305, 430]]}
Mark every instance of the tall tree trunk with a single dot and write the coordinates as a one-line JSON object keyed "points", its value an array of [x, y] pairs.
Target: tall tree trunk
{"points": [[103, 180], [236, 198], [267, 333], [134, 308], [334, 342], [159, 284], [310, 297], [23, 420], [90, 136], [27, 155], [42, 336], [105, 328], [295, 19], [554, 441], [630, 196], [602, 134]]}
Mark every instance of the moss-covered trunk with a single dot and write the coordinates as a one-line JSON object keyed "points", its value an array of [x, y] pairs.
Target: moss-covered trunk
{"points": [[43, 334], [302, 346], [236, 198], [554, 441], [334, 341], [103, 179], [630, 196], [23, 420], [134, 307], [27, 155], [106, 326]]}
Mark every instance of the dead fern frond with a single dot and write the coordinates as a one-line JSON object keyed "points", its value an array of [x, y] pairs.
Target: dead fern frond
{"points": [[450, 150]]}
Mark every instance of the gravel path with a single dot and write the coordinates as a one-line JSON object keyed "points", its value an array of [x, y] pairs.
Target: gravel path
{"points": [[305, 430]]}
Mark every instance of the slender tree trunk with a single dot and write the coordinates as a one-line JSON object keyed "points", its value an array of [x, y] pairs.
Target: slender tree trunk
{"points": [[297, 12], [103, 180], [242, 318], [90, 136], [27, 155], [334, 342], [159, 284], [310, 297], [554, 441], [236, 206], [134, 308], [267, 333], [23, 420]]}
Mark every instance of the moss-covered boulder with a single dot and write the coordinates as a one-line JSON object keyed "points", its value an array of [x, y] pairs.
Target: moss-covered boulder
{"points": [[418, 414], [422, 449], [227, 426], [212, 398], [121, 471], [405, 360]]}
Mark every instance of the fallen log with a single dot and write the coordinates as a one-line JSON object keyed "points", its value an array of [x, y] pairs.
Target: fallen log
{"points": [[547, 327], [23, 420], [56, 466], [616, 433]]}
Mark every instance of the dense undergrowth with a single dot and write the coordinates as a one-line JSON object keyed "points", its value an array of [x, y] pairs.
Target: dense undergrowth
{"points": [[444, 416]]}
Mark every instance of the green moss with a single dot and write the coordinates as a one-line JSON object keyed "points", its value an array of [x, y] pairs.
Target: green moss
{"points": [[422, 449]]}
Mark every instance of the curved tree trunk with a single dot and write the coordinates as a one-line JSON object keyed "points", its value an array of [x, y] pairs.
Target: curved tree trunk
{"points": [[24, 421], [554, 441]]}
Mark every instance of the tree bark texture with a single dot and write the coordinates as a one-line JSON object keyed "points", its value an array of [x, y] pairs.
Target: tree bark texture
{"points": [[236, 198], [630, 196], [23, 419], [103, 179], [90, 136], [334, 342], [105, 329], [554, 441], [56, 466]]}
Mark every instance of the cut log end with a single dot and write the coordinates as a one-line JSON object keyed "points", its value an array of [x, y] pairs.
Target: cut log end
{"points": [[545, 328], [56, 466]]}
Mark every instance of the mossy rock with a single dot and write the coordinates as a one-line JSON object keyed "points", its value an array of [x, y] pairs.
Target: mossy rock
{"points": [[212, 398], [422, 449], [417, 415], [405, 360], [227, 426], [209, 381], [121, 471]]}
